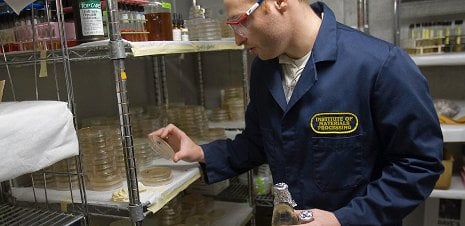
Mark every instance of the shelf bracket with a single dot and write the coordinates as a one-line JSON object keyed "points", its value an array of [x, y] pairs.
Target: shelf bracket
{"points": [[117, 50], [136, 212]]}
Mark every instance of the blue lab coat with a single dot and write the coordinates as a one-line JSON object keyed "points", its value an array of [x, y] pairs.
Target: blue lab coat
{"points": [[359, 136]]}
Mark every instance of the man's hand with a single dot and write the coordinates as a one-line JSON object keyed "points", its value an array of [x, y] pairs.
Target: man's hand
{"points": [[185, 149], [321, 218]]}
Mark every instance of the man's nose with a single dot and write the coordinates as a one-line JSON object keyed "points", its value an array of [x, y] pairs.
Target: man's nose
{"points": [[239, 39]]}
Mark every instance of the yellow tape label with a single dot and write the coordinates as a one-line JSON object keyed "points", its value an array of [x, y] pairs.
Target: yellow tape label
{"points": [[334, 123]]}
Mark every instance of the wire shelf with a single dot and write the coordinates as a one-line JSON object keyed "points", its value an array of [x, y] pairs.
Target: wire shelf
{"points": [[238, 192], [11, 215]]}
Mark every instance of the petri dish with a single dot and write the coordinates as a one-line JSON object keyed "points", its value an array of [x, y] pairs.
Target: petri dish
{"points": [[156, 176], [162, 148]]}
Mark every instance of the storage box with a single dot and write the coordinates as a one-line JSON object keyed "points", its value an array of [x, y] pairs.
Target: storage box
{"points": [[444, 212], [445, 178]]}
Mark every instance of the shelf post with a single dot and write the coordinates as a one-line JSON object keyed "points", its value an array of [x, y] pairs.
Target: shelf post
{"points": [[200, 74], [118, 55], [396, 22]]}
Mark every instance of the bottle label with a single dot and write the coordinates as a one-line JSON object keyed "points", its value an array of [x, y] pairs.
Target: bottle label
{"points": [[166, 5], [91, 17]]}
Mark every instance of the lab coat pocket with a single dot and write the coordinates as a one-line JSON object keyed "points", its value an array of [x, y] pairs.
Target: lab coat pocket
{"points": [[337, 162]]}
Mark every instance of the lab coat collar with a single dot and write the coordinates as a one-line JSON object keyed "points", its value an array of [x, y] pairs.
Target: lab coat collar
{"points": [[275, 83], [306, 81], [325, 46], [324, 49]]}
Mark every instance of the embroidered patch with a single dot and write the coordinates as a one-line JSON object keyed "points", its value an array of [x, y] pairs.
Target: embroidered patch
{"points": [[334, 123]]}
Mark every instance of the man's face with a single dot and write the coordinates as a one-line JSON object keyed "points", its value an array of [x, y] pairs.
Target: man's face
{"points": [[258, 32]]}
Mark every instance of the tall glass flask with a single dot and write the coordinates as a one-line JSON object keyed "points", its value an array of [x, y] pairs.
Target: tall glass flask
{"points": [[159, 23], [283, 211]]}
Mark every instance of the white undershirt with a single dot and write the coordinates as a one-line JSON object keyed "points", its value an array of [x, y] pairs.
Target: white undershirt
{"points": [[292, 70]]}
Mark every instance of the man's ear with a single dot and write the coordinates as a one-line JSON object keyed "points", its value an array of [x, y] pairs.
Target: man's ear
{"points": [[281, 5]]}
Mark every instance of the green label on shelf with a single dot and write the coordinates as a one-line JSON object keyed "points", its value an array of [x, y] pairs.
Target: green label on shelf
{"points": [[166, 5], [90, 4], [91, 17]]}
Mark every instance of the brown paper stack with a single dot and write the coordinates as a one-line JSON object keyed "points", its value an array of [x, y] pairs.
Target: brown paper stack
{"points": [[2, 84]]}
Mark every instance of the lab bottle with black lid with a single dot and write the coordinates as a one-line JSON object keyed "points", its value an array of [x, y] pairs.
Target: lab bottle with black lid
{"points": [[88, 20]]}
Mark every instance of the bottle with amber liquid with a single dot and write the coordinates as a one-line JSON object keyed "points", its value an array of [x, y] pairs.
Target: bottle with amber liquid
{"points": [[158, 21], [88, 20], [283, 210]]}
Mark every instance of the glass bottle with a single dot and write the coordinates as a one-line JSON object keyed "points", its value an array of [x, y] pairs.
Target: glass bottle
{"points": [[283, 211], [159, 24], [88, 20], [447, 36], [458, 35]]}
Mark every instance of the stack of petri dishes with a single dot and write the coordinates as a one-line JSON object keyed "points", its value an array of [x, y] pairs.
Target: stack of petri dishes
{"points": [[233, 101], [192, 119], [226, 30], [66, 175], [143, 152], [204, 29], [156, 176], [214, 134], [201, 204], [148, 125], [99, 157], [145, 120], [43, 179], [219, 115], [99, 121], [170, 214], [235, 108], [117, 144], [189, 122], [196, 209], [234, 92], [210, 30]]}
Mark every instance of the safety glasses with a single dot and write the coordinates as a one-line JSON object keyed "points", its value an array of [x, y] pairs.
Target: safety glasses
{"points": [[238, 23]]}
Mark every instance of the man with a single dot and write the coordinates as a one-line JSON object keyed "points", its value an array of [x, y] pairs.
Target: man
{"points": [[345, 119]]}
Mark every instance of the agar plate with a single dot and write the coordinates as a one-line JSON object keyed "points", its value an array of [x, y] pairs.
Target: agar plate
{"points": [[161, 147]]}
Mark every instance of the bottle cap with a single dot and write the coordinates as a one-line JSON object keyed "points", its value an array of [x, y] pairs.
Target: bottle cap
{"points": [[281, 194]]}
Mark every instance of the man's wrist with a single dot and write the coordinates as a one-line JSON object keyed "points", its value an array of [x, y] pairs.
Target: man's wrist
{"points": [[202, 155]]}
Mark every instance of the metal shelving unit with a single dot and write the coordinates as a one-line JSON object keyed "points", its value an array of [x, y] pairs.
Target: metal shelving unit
{"points": [[445, 59], [13, 212], [12, 215], [117, 51]]}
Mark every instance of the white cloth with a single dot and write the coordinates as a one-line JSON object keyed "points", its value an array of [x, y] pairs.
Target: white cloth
{"points": [[34, 135], [292, 70]]}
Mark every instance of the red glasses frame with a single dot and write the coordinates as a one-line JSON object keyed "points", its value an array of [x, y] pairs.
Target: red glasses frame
{"points": [[238, 24]]}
